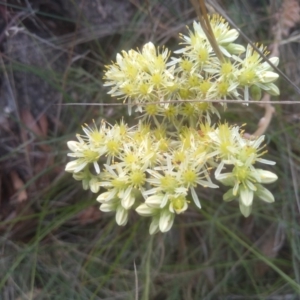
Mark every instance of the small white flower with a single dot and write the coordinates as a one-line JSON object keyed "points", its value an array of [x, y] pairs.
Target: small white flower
{"points": [[246, 195], [84, 155], [179, 204]]}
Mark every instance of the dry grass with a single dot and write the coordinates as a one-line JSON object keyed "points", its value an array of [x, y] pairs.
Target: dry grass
{"points": [[55, 244]]}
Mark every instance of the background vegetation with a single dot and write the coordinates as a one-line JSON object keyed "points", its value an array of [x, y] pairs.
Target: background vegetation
{"points": [[55, 243]]}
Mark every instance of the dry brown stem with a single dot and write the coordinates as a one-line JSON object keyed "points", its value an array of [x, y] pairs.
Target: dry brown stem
{"points": [[287, 18]]}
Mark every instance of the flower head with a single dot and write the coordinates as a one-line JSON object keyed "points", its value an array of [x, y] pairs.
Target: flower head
{"points": [[157, 166], [84, 155]]}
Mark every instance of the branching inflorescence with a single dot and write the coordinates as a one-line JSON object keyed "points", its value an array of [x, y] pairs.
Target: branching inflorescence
{"points": [[156, 167]]}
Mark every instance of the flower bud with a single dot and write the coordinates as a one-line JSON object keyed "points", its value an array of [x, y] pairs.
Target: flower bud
{"points": [[255, 92], [267, 176], [268, 76]]}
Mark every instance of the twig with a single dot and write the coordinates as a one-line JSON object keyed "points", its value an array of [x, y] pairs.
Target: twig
{"points": [[223, 13], [265, 121], [237, 101], [16, 18]]}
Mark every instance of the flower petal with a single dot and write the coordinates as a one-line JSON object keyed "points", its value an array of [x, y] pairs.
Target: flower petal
{"points": [[144, 210], [73, 145], [107, 207], [229, 196], [166, 220], [154, 201], [246, 196], [107, 196], [75, 166], [128, 199], [195, 197], [121, 215], [267, 176], [264, 194], [245, 210], [94, 185], [154, 226]]}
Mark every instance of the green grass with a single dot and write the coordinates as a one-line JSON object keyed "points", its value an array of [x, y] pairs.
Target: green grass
{"points": [[49, 252]]}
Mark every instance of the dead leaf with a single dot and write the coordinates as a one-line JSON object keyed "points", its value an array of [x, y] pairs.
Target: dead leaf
{"points": [[35, 294], [39, 128], [269, 249], [89, 215], [43, 124], [30, 122], [18, 185]]}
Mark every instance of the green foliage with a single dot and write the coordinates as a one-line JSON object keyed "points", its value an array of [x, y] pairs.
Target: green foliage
{"points": [[53, 246]]}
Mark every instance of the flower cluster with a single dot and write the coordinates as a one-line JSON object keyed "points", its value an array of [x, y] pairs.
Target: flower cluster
{"points": [[150, 77], [156, 166]]}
